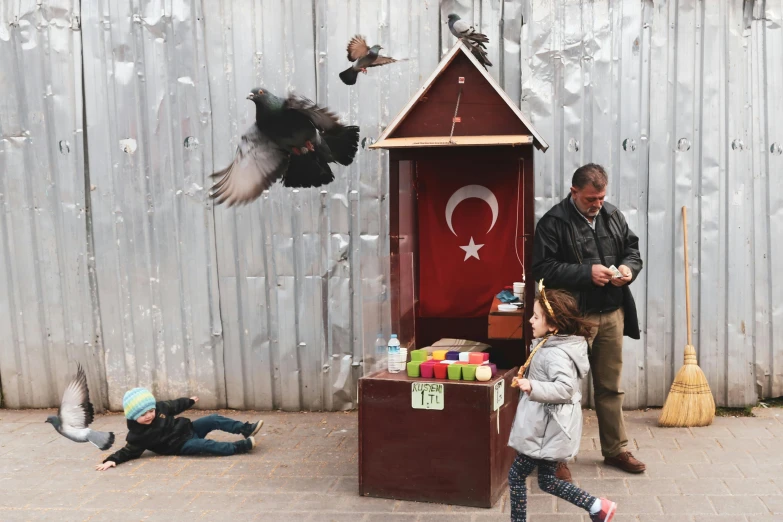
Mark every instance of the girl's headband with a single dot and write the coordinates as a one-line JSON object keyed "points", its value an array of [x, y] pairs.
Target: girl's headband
{"points": [[543, 297]]}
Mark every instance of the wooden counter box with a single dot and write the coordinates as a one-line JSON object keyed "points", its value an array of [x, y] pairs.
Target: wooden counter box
{"points": [[450, 456]]}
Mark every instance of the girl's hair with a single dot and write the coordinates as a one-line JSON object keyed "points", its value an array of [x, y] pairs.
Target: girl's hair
{"points": [[567, 318]]}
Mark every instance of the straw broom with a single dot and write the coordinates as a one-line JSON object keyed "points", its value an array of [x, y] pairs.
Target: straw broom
{"points": [[690, 401]]}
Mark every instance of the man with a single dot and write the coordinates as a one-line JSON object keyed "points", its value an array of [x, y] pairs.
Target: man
{"points": [[575, 245]]}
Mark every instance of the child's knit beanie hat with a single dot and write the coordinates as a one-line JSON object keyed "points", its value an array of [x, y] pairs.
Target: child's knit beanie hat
{"points": [[137, 402]]}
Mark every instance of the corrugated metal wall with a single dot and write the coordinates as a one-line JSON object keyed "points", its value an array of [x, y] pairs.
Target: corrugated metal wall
{"points": [[113, 255]]}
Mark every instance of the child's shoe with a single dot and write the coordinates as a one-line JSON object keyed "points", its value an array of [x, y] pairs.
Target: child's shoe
{"points": [[245, 445], [608, 509], [248, 430]]}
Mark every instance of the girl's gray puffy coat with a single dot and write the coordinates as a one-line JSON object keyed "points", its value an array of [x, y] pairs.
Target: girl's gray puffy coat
{"points": [[548, 424]]}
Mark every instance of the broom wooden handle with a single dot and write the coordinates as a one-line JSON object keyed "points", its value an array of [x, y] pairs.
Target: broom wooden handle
{"points": [[687, 278]]}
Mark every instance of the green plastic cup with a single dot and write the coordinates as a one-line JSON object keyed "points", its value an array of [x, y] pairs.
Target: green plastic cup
{"points": [[419, 355], [469, 372], [414, 370], [455, 372]]}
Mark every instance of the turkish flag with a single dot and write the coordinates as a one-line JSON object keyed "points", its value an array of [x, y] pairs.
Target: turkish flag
{"points": [[468, 214]]}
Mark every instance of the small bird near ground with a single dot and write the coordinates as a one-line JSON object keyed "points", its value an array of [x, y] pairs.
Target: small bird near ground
{"points": [[363, 57], [470, 37], [292, 139], [76, 413]]}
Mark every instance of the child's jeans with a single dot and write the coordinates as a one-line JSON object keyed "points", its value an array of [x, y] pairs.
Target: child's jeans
{"points": [[524, 466], [201, 427]]}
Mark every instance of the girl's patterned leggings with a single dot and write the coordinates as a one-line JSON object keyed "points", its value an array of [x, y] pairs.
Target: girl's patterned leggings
{"points": [[524, 466]]}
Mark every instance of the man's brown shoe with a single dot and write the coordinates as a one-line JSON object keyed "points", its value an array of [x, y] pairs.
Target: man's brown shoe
{"points": [[562, 472], [626, 462]]}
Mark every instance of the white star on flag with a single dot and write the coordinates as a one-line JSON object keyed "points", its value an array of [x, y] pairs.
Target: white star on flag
{"points": [[471, 250]]}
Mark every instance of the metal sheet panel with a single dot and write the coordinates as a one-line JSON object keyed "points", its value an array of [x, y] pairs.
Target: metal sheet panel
{"points": [[770, 24], [681, 116], [278, 304], [149, 146], [47, 308]]}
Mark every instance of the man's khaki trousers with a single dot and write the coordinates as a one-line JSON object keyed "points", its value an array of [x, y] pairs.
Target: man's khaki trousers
{"points": [[606, 364]]}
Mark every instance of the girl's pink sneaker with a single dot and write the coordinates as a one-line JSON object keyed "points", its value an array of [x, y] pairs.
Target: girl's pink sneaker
{"points": [[608, 509]]}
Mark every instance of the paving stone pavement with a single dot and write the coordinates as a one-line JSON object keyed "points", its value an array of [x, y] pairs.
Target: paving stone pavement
{"points": [[305, 469]]}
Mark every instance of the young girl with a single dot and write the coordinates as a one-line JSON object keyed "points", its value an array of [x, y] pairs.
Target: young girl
{"points": [[548, 424]]}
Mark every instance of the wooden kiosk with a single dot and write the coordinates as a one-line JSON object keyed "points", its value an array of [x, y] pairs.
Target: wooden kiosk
{"points": [[461, 225]]}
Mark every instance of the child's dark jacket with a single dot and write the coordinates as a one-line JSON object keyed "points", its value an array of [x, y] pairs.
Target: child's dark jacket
{"points": [[165, 436]]}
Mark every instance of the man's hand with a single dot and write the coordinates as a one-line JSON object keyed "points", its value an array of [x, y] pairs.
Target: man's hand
{"points": [[194, 399], [525, 386], [106, 465], [602, 275], [627, 276]]}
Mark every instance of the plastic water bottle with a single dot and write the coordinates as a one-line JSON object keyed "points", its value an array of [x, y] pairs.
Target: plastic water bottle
{"points": [[380, 351], [394, 355]]}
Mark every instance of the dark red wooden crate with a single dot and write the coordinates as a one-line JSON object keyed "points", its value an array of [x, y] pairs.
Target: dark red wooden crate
{"points": [[450, 456]]}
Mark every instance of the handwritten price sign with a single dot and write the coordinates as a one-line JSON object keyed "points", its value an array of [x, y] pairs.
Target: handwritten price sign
{"points": [[427, 396]]}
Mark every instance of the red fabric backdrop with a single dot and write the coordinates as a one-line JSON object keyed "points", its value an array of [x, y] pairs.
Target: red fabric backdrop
{"points": [[456, 281]]}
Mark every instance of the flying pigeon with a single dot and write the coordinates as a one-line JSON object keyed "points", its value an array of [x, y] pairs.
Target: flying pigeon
{"points": [[76, 413], [362, 57], [470, 37], [292, 139]]}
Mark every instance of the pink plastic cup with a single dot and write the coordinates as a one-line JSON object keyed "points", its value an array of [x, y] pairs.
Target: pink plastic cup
{"points": [[427, 369]]}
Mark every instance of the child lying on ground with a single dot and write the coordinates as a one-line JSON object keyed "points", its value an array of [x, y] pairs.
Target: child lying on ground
{"points": [[154, 426]]}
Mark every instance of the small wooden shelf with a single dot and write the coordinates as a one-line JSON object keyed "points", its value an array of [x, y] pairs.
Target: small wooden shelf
{"points": [[505, 325]]}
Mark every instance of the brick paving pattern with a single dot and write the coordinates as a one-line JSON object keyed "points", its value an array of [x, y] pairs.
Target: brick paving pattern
{"points": [[305, 469]]}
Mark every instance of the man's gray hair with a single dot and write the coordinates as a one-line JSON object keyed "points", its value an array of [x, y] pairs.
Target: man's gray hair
{"points": [[592, 173]]}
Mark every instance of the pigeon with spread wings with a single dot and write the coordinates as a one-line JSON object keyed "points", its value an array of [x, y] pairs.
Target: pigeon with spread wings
{"points": [[76, 413], [363, 57], [293, 140]]}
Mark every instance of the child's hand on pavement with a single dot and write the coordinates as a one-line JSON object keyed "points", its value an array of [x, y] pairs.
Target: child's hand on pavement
{"points": [[194, 399], [106, 465]]}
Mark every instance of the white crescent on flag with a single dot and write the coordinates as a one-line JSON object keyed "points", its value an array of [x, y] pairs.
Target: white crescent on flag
{"points": [[471, 191]]}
